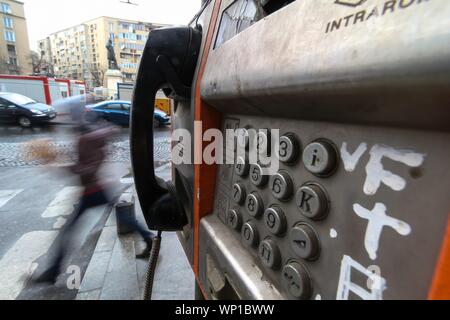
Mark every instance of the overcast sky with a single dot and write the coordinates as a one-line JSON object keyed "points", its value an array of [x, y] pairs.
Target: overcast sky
{"points": [[47, 16]]}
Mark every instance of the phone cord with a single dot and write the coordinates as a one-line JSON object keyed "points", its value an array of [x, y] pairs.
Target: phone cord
{"points": [[154, 255]]}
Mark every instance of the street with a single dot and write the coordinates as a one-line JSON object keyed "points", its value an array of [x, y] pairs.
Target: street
{"points": [[37, 200]]}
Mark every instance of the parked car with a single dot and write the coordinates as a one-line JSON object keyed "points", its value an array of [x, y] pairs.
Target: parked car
{"points": [[118, 112], [16, 108]]}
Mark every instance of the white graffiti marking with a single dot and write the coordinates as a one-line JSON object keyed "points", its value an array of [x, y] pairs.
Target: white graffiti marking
{"points": [[351, 160], [378, 219], [376, 174], [346, 286]]}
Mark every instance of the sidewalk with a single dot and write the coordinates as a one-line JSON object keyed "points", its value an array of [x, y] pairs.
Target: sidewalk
{"points": [[115, 274]]}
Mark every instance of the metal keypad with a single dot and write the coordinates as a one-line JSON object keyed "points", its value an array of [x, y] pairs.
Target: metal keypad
{"points": [[276, 215]]}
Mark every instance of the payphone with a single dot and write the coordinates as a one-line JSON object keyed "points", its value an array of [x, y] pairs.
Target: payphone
{"points": [[351, 97]]}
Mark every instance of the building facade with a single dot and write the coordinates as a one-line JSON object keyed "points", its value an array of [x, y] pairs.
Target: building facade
{"points": [[15, 54], [80, 52]]}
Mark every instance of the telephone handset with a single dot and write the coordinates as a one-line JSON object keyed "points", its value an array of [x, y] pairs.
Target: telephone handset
{"points": [[168, 63]]}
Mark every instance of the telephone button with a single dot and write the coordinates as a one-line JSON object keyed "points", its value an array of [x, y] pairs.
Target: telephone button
{"points": [[275, 220], [304, 242], [242, 168], [297, 281], [320, 158], [254, 205], [289, 148], [263, 141], [270, 254], [312, 201], [243, 138], [250, 234], [282, 186], [257, 177], [239, 193], [234, 219]]}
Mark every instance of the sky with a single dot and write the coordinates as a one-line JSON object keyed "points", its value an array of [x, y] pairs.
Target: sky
{"points": [[47, 16]]}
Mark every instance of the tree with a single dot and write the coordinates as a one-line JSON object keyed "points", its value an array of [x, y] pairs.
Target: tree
{"points": [[41, 65], [97, 75]]}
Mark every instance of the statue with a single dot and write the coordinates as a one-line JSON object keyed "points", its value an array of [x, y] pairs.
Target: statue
{"points": [[112, 61]]}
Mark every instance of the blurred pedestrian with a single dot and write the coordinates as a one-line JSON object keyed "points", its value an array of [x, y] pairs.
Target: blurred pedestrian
{"points": [[92, 142]]}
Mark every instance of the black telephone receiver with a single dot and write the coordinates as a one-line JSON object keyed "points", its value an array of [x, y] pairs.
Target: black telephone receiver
{"points": [[168, 63]]}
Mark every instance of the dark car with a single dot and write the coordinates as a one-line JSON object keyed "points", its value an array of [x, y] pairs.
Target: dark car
{"points": [[16, 108], [118, 112]]}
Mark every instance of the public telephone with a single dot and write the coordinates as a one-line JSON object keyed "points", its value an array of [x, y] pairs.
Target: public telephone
{"points": [[352, 98]]}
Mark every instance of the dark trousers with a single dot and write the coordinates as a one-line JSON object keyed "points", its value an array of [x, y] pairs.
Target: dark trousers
{"points": [[87, 201]]}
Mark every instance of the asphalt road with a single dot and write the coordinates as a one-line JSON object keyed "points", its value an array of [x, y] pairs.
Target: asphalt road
{"points": [[36, 201]]}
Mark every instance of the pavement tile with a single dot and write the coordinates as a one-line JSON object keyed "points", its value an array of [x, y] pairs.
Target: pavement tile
{"points": [[90, 295], [121, 280], [107, 239], [94, 277], [111, 220]]}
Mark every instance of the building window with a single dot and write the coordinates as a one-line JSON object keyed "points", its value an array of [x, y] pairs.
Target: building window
{"points": [[10, 36], [11, 49], [6, 8], [8, 22], [112, 37], [13, 61]]}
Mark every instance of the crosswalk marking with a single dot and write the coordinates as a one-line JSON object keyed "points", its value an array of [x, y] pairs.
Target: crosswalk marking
{"points": [[63, 203], [6, 195], [17, 264]]}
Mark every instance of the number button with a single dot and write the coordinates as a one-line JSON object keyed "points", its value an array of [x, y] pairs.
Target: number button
{"points": [[243, 138], [282, 186], [275, 220], [239, 193], [250, 234], [297, 281], [312, 202], [255, 205], [263, 142], [242, 168], [257, 177], [289, 148], [305, 242], [234, 219], [320, 158], [270, 255]]}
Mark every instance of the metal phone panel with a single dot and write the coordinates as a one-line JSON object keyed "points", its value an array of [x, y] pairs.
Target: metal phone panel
{"points": [[373, 71], [376, 92]]}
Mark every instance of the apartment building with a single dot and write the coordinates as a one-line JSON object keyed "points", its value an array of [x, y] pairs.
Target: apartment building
{"points": [[14, 46], [80, 52]]}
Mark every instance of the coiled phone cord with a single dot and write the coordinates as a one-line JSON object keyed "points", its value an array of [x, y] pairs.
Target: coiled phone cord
{"points": [[154, 255]]}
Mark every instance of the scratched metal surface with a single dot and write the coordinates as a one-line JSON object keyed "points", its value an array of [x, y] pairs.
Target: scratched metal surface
{"points": [[383, 81], [407, 263]]}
